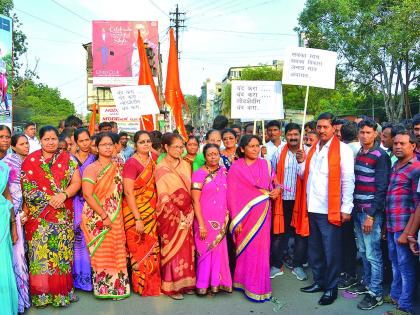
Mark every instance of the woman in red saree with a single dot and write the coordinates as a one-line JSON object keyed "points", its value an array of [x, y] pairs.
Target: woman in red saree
{"points": [[102, 223], [49, 179], [140, 218], [175, 218], [250, 187]]}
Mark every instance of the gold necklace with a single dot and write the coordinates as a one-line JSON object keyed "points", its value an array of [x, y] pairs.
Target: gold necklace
{"points": [[143, 161]]}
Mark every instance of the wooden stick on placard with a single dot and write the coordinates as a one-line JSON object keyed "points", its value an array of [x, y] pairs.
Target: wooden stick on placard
{"points": [[255, 127], [263, 132], [142, 123], [302, 132]]}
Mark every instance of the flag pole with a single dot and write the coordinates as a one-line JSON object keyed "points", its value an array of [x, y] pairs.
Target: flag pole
{"points": [[304, 117], [255, 127], [263, 132]]}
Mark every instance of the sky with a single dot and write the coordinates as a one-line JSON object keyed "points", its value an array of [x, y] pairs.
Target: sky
{"points": [[219, 34]]}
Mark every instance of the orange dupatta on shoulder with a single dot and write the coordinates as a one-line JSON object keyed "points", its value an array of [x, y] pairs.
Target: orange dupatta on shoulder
{"points": [[300, 219]]}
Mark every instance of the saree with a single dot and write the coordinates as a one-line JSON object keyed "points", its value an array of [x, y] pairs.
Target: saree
{"points": [[212, 256], [20, 267], [82, 275], [249, 205], [107, 246], [175, 217], [49, 231], [8, 290], [143, 250]]}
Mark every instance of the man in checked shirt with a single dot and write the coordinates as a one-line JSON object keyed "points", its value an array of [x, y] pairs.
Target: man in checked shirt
{"points": [[401, 202]]}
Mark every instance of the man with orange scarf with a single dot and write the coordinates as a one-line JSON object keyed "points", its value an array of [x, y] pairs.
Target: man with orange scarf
{"points": [[325, 201], [286, 167]]}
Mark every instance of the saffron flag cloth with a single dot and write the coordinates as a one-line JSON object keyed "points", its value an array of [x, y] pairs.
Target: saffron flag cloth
{"points": [[146, 78], [173, 93], [92, 121]]}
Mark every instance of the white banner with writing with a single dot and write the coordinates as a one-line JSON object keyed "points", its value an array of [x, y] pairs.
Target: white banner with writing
{"points": [[309, 67], [257, 100], [135, 101]]}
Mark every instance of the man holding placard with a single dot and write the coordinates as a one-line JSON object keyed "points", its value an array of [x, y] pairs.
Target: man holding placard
{"points": [[326, 201]]}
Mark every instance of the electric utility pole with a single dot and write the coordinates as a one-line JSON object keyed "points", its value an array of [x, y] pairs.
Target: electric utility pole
{"points": [[177, 22]]}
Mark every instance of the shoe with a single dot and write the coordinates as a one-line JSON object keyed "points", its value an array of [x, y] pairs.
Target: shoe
{"points": [[328, 297], [358, 289], [177, 296], [370, 301], [346, 281], [398, 311], [274, 272], [300, 273], [313, 288], [288, 261]]}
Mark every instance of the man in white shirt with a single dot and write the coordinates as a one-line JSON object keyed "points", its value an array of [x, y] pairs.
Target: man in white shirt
{"points": [[30, 133], [327, 196], [274, 134]]}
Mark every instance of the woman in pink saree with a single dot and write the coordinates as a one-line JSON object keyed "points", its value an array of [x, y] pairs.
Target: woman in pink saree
{"points": [[208, 191], [250, 187]]}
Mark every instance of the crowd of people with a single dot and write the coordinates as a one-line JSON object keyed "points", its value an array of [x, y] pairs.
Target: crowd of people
{"points": [[199, 216]]}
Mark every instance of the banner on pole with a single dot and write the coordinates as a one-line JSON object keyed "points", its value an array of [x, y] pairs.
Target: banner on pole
{"points": [[6, 60], [135, 101], [309, 67], [257, 100], [110, 113]]}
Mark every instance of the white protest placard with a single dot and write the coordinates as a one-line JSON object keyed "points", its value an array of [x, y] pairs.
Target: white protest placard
{"points": [[309, 67], [127, 124], [134, 101], [257, 100]]}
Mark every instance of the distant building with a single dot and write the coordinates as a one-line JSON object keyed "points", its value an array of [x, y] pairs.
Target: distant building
{"points": [[210, 101]]}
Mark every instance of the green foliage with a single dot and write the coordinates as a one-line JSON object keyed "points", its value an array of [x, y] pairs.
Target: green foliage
{"points": [[377, 41], [41, 104], [193, 103]]}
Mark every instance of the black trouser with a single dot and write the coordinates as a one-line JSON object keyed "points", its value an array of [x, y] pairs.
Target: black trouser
{"points": [[280, 242], [349, 249], [324, 250]]}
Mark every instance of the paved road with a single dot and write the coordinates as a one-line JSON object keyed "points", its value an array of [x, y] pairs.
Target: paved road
{"points": [[285, 289]]}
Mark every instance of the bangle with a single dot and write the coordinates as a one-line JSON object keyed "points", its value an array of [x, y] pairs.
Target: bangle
{"points": [[370, 218], [65, 194], [139, 219], [411, 236], [102, 217]]}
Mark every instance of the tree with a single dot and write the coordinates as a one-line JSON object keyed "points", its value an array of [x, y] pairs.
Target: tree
{"points": [[193, 105], [377, 41], [41, 104]]}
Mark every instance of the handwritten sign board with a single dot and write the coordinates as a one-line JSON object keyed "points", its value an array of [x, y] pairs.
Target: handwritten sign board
{"points": [[309, 67], [135, 101], [257, 100], [127, 124]]}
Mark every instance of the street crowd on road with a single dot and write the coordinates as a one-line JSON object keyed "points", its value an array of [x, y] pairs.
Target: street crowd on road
{"points": [[176, 216]]}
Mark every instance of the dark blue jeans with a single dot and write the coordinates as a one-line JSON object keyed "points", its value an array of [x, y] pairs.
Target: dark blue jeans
{"points": [[324, 251], [403, 272], [369, 247]]}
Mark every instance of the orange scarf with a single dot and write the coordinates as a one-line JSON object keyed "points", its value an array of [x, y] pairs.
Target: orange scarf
{"points": [[278, 215], [300, 220]]}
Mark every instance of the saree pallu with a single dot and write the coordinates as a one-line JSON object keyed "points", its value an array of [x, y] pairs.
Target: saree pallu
{"points": [[144, 250], [212, 256], [249, 205], [107, 246], [20, 265], [175, 218], [49, 231], [82, 275], [8, 290]]}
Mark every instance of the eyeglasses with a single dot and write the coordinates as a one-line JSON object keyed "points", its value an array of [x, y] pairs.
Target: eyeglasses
{"points": [[144, 142], [108, 145]]}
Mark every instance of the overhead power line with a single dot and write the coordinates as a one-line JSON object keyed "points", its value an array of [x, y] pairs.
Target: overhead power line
{"points": [[159, 8], [49, 23], [240, 32], [70, 11]]}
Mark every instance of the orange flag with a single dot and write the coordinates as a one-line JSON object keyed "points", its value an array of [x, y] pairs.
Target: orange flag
{"points": [[146, 78], [92, 122], [173, 93]]}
